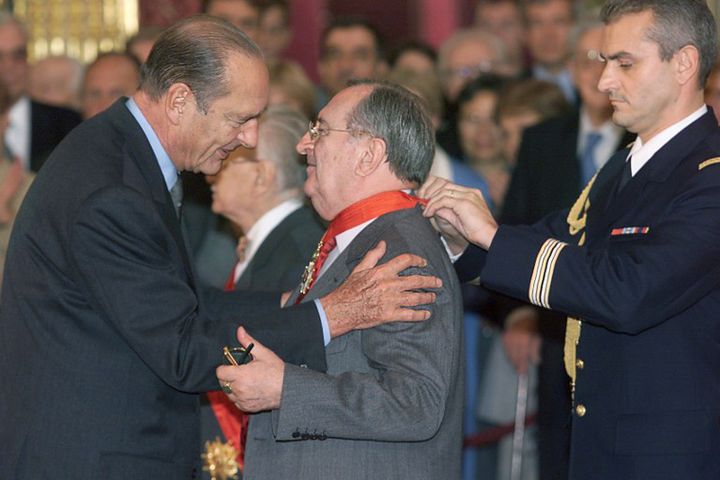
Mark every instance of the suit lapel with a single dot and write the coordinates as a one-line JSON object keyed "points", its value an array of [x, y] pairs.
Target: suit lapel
{"points": [[270, 244], [350, 257], [569, 163], [139, 152]]}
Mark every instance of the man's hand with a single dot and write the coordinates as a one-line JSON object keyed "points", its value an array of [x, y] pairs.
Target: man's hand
{"points": [[257, 385], [463, 208], [521, 340], [373, 295]]}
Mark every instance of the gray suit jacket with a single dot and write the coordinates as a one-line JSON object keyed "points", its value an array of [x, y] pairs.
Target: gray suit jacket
{"points": [[390, 405]]}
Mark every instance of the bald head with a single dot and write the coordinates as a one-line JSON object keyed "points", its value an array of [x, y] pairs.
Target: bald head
{"points": [[108, 78]]}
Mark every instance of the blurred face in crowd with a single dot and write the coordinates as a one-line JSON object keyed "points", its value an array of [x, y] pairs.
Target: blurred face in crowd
{"points": [[642, 87], [466, 61], [548, 28], [274, 34], [140, 49], [504, 19], [512, 127], [107, 80], [332, 156], [586, 69], [56, 81], [240, 13], [348, 53], [13, 60], [415, 61], [232, 190], [712, 92], [479, 134], [205, 140]]}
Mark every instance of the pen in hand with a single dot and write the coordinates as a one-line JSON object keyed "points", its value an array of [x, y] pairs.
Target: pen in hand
{"points": [[246, 354]]}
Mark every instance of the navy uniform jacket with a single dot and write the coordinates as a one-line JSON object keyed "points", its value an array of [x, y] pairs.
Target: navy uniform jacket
{"points": [[104, 341], [649, 298]]}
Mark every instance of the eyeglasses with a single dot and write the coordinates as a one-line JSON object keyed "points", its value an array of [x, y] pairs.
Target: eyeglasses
{"points": [[17, 55], [315, 130], [468, 72]]}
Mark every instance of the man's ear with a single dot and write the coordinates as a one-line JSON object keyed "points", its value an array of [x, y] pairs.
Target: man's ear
{"points": [[687, 61], [374, 154], [176, 101], [265, 173]]}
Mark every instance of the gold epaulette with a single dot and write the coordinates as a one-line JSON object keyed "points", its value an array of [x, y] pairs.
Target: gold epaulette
{"points": [[709, 162]]}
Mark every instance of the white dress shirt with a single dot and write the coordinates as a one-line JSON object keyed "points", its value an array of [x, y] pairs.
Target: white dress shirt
{"points": [[641, 152], [610, 136], [17, 135]]}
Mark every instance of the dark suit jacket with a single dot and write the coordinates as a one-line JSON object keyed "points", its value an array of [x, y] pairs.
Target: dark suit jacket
{"points": [[280, 261], [547, 174], [649, 301], [48, 126], [103, 339], [277, 265]]}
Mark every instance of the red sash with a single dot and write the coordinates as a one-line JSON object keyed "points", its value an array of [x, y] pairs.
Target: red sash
{"points": [[354, 215]]}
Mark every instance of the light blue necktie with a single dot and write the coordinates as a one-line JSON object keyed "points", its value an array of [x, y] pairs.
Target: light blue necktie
{"points": [[588, 166]]}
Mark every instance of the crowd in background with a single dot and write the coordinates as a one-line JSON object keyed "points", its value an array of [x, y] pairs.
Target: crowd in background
{"points": [[517, 113]]}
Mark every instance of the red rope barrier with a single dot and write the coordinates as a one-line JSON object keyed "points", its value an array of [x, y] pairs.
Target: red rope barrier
{"points": [[494, 434]]}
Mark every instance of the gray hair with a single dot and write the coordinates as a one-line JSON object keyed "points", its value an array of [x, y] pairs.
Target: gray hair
{"points": [[677, 24], [7, 18], [397, 116], [195, 51], [279, 130], [583, 26], [474, 35]]}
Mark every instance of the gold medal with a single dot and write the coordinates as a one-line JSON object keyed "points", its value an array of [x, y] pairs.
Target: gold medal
{"points": [[220, 460], [309, 272]]}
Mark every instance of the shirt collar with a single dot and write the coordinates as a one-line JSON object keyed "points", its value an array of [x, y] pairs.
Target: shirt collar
{"points": [[562, 79], [267, 223], [610, 137], [169, 171], [261, 229], [641, 152]]}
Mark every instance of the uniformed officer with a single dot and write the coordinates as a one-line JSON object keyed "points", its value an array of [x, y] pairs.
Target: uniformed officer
{"points": [[635, 262]]}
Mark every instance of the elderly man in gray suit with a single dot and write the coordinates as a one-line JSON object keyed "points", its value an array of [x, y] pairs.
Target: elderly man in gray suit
{"points": [[390, 404]]}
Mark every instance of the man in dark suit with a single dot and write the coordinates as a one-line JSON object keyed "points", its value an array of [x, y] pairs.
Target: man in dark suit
{"points": [[390, 405], [634, 262], [104, 339], [261, 191], [35, 128], [557, 158]]}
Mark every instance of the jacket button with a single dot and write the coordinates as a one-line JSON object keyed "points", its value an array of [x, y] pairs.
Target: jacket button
{"points": [[580, 364], [580, 410], [303, 365]]}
